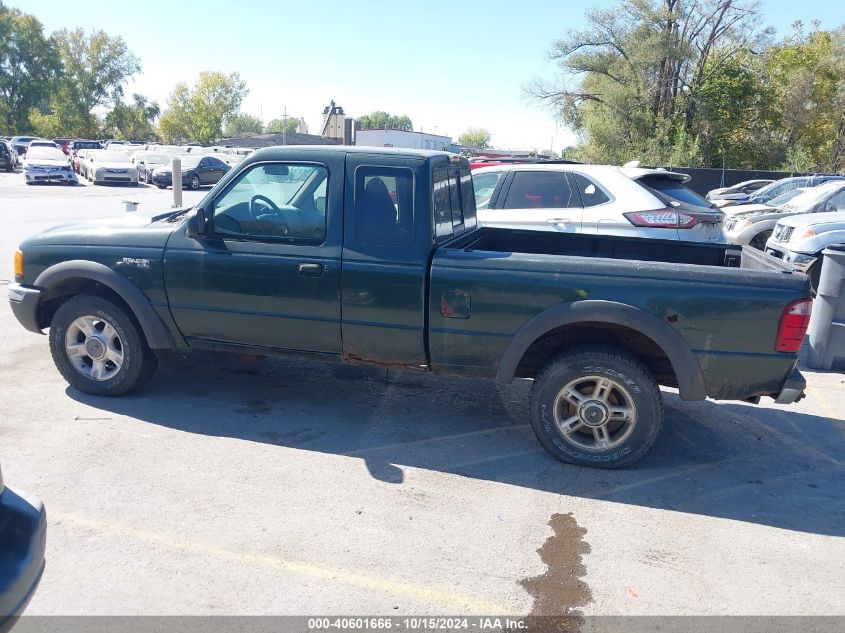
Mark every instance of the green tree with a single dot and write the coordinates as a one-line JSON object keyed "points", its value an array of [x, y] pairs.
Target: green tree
{"points": [[197, 113], [475, 137], [242, 124], [734, 103], [94, 69], [806, 73], [631, 80], [277, 126], [379, 120], [28, 65], [134, 121]]}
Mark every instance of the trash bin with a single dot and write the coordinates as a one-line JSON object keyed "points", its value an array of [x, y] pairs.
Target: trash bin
{"points": [[826, 332]]}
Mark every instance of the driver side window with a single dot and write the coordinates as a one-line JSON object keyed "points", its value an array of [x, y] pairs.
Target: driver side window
{"points": [[275, 200]]}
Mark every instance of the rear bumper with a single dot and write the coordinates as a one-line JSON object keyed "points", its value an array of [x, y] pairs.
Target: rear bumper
{"points": [[23, 539], [793, 388], [24, 302]]}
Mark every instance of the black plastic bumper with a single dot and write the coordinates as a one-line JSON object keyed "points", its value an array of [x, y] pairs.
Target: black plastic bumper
{"points": [[24, 301], [23, 538]]}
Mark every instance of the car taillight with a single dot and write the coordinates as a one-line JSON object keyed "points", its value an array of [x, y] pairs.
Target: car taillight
{"points": [[670, 219], [793, 325]]}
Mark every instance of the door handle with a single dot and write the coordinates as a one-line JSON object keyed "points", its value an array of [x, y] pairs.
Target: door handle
{"points": [[307, 269], [558, 221]]}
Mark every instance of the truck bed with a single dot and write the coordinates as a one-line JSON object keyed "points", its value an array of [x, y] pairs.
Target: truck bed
{"points": [[614, 247]]}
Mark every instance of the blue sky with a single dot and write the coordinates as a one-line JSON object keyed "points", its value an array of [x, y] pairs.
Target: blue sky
{"points": [[448, 65]]}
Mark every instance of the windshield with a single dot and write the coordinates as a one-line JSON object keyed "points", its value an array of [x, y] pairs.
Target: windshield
{"points": [[777, 188], [157, 159], [808, 199], [43, 152], [189, 162], [786, 197]]}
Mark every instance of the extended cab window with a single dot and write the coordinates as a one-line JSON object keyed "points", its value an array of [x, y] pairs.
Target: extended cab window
{"points": [[454, 201], [384, 206], [540, 190], [276, 200]]}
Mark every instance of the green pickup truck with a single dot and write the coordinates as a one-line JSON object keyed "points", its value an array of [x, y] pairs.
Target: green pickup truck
{"points": [[374, 256]]}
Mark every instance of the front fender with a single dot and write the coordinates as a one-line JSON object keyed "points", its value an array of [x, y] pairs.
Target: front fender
{"points": [[156, 332], [818, 243], [683, 361]]}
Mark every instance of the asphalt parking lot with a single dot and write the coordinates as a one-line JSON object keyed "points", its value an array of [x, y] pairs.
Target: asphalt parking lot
{"points": [[232, 485]]}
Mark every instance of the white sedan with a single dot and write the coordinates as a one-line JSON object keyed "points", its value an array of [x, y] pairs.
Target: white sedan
{"points": [[112, 167], [43, 164]]}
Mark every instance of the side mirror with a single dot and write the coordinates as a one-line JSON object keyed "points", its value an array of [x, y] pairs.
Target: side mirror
{"points": [[198, 224]]}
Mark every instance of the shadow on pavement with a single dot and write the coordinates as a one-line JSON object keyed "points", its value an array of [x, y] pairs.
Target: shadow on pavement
{"points": [[761, 465]]}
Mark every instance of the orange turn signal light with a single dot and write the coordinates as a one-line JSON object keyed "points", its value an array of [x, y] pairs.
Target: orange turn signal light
{"points": [[18, 264]]}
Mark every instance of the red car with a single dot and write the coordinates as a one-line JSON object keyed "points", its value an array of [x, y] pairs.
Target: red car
{"points": [[64, 144]]}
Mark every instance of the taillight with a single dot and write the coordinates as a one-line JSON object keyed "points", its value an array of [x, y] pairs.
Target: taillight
{"points": [[793, 325], [670, 219]]}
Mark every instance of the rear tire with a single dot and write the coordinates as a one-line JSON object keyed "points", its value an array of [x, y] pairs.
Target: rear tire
{"points": [[99, 348], [597, 406]]}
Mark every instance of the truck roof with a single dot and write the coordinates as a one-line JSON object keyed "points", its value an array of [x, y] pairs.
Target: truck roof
{"points": [[279, 150]]}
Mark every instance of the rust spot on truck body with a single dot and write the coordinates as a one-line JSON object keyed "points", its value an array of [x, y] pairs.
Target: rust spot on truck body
{"points": [[354, 359]]}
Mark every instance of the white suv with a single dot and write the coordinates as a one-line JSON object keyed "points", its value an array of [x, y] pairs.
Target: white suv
{"points": [[597, 199]]}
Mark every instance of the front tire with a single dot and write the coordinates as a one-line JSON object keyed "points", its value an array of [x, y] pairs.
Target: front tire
{"points": [[759, 240], [596, 406], [194, 183], [99, 348]]}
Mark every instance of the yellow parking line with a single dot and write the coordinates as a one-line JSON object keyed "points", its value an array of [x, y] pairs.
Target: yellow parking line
{"points": [[386, 585]]}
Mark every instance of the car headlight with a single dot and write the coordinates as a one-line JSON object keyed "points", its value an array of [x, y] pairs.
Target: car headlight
{"points": [[740, 225]]}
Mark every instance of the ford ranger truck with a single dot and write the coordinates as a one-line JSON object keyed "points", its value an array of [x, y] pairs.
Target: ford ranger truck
{"points": [[374, 256]]}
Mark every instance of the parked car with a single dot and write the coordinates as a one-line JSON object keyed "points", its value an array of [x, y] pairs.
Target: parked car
{"points": [[76, 146], [231, 159], [44, 164], [23, 539], [107, 167], [603, 199], [197, 171], [21, 144], [375, 256], [740, 227], [147, 162], [63, 144], [86, 161], [12, 152], [755, 227], [799, 240], [777, 188], [7, 158], [40, 142], [739, 192]]}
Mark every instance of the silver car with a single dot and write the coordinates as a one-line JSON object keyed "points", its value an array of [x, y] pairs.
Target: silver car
{"points": [[754, 227], [799, 240], [595, 199]]}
